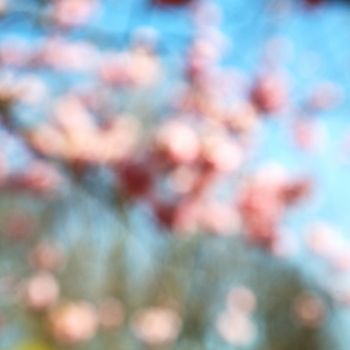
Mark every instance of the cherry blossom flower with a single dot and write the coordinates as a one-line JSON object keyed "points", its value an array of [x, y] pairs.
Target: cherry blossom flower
{"points": [[156, 326], [73, 323], [40, 291], [309, 310]]}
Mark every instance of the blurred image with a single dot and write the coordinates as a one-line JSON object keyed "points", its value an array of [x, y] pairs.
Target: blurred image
{"points": [[174, 174]]}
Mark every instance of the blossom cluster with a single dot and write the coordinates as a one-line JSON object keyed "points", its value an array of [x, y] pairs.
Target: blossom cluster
{"points": [[181, 160]]}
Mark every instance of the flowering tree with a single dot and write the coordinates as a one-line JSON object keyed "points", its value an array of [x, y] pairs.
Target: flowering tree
{"points": [[137, 208]]}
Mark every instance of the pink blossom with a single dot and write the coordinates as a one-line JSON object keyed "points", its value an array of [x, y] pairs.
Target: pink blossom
{"points": [[40, 178], [309, 310], [41, 291], [309, 135], [73, 323], [177, 142], [270, 93], [325, 96], [139, 67], [70, 13], [218, 218], [236, 328], [63, 55], [46, 256], [181, 216], [220, 153], [241, 299], [263, 200], [156, 326]]}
